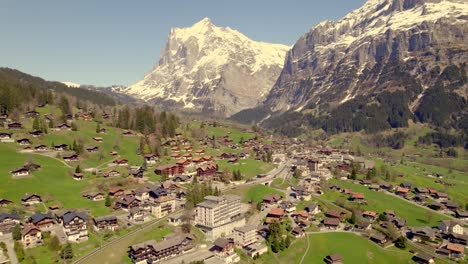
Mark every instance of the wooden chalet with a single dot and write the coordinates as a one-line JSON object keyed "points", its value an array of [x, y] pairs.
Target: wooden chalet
{"points": [[63, 127], [209, 169], [24, 142], [61, 147], [116, 192], [108, 222], [331, 223], [111, 173], [169, 170], [30, 199], [41, 148], [15, 125], [378, 238], [5, 137], [8, 222], [120, 162], [98, 139], [5, 202], [21, 172], [78, 176], [71, 158], [42, 221], [333, 259], [423, 258], [126, 202], [151, 159], [357, 197], [94, 196], [271, 198], [275, 215], [31, 114], [152, 251], [36, 133], [92, 149]]}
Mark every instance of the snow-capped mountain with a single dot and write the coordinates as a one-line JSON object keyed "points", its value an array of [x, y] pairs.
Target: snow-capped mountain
{"points": [[333, 62], [72, 84], [205, 68], [372, 69]]}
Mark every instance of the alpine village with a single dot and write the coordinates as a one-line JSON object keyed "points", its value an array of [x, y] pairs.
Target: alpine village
{"points": [[352, 150]]}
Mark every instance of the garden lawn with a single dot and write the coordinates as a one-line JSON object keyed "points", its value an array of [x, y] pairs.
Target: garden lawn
{"points": [[379, 202]]}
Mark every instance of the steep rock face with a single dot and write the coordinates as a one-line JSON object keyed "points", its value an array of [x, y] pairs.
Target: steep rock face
{"points": [[338, 61], [210, 69]]}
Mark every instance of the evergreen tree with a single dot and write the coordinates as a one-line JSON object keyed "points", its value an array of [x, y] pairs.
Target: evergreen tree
{"points": [[17, 232], [36, 125], [98, 128], [67, 252], [353, 173], [108, 201], [78, 169], [51, 123]]}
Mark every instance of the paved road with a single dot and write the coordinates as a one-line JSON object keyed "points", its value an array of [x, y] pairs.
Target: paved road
{"points": [[8, 239]]}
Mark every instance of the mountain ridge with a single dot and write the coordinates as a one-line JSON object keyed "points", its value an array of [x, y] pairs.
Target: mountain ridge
{"points": [[366, 70]]}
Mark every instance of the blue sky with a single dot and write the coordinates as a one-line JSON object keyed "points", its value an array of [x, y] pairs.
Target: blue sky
{"points": [[106, 42]]}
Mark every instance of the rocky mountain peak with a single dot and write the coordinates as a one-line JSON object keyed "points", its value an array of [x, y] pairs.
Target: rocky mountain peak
{"points": [[206, 68]]}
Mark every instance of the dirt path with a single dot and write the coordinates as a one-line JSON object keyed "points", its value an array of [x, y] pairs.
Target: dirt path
{"points": [[307, 250]]}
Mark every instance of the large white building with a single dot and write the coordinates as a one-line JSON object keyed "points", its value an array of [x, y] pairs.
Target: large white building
{"points": [[219, 215]]}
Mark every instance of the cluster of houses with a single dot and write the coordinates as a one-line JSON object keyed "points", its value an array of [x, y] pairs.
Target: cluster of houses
{"points": [[148, 200], [426, 196], [71, 223], [448, 239]]}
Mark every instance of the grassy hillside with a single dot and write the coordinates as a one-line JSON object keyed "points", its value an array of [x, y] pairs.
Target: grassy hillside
{"points": [[379, 202]]}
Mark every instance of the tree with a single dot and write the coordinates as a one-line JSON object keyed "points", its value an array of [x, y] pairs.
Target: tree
{"points": [[54, 243], [297, 174], [74, 127], [17, 232], [400, 242], [51, 123], [275, 246], [392, 232], [288, 241], [108, 201], [355, 216], [36, 125], [67, 252], [186, 227], [78, 169], [98, 128], [353, 174]]}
